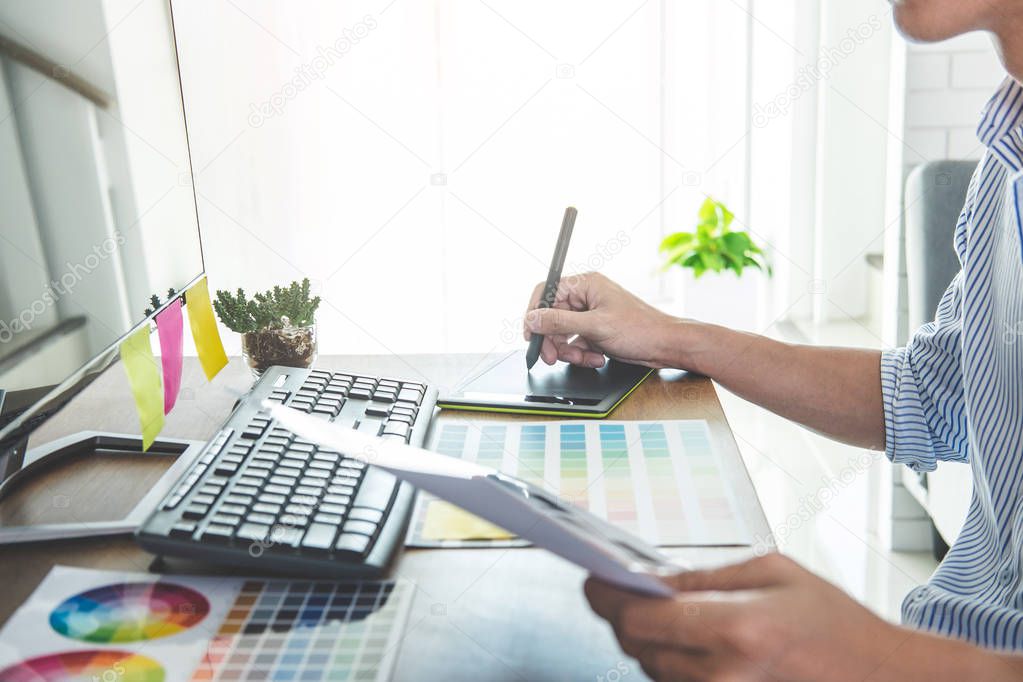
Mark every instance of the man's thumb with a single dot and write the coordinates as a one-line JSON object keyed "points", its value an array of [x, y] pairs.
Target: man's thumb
{"points": [[557, 321]]}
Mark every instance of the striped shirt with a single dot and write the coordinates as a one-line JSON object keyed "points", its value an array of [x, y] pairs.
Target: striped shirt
{"points": [[955, 392]]}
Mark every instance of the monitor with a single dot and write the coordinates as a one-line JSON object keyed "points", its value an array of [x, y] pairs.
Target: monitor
{"points": [[97, 206]]}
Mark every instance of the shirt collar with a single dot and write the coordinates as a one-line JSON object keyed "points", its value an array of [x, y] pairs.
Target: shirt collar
{"points": [[1001, 125]]}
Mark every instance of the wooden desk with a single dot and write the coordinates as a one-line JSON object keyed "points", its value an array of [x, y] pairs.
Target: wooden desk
{"points": [[478, 614]]}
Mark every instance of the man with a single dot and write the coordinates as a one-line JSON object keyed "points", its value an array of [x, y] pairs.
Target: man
{"points": [[954, 393]]}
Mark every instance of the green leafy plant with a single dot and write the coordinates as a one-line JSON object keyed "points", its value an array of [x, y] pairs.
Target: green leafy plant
{"points": [[714, 246], [277, 308]]}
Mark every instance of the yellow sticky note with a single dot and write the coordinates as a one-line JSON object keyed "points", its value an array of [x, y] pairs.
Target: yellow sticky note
{"points": [[144, 376], [204, 329], [445, 521]]}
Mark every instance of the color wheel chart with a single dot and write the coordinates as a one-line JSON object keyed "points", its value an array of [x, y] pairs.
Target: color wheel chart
{"points": [[660, 480], [104, 626]]}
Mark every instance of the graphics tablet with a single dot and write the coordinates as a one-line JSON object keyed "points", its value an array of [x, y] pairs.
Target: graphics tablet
{"points": [[558, 390]]}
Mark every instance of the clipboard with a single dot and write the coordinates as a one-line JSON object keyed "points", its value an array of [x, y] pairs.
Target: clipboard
{"points": [[555, 390], [570, 532]]}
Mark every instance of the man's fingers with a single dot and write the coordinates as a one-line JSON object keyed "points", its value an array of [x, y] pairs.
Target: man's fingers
{"points": [[770, 569], [558, 321], [579, 352], [605, 600]]}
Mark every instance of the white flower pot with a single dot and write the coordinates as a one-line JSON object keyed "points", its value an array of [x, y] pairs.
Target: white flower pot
{"points": [[720, 298]]}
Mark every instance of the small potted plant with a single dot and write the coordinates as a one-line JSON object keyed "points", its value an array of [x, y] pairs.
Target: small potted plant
{"points": [[277, 326], [714, 247]]}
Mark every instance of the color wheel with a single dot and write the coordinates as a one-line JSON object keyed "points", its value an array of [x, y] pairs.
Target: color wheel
{"points": [[129, 612], [85, 666]]}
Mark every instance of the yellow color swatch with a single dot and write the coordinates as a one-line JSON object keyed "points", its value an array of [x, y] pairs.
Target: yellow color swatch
{"points": [[445, 521], [204, 329], [144, 376]]}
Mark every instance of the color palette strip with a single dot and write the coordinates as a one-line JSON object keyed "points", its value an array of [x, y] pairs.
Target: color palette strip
{"points": [[285, 631], [661, 480]]}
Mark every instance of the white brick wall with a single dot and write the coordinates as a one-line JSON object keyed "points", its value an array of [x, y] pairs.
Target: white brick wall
{"points": [[947, 84]]}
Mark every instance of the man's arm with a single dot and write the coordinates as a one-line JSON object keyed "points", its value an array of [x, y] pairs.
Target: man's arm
{"points": [[835, 391], [770, 619]]}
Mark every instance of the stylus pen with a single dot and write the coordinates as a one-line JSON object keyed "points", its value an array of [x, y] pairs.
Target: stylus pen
{"points": [[550, 289]]}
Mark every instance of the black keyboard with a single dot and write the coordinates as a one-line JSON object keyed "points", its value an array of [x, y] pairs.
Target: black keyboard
{"points": [[258, 497]]}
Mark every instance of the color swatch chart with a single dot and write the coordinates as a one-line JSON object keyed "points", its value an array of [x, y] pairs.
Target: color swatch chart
{"points": [[660, 480], [283, 631], [98, 625]]}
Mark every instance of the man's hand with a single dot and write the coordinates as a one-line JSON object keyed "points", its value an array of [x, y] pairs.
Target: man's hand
{"points": [[765, 619], [593, 317]]}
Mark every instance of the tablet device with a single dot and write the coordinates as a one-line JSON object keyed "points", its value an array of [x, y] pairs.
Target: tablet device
{"points": [[558, 390], [574, 534]]}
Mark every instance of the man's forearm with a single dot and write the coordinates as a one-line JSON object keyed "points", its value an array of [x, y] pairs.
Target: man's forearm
{"points": [[835, 391], [922, 656]]}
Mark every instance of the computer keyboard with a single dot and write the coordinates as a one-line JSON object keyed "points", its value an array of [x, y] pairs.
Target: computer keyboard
{"points": [[258, 497]]}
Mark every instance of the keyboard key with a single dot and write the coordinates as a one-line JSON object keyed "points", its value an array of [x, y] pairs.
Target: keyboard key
{"points": [[362, 514], [397, 428], [410, 395], [328, 518], [264, 508], [308, 500], [339, 489], [286, 481], [376, 490], [242, 489], [352, 542], [278, 489], [203, 499], [296, 521], [225, 469], [265, 519], [317, 473], [195, 511], [376, 410], [235, 509], [340, 500], [217, 534], [299, 509], [319, 536], [183, 529], [313, 482], [331, 457], [325, 466], [256, 532], [272, 499], [288, 471], [239, 499], [403, 418], [384, 396], [226, 520], [308, 490], [364, 527], [285, 535], [360, 393], [333, 509], [405, 405]]}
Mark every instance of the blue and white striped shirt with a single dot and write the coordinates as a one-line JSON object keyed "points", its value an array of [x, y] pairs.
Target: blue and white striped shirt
{"points": [[956, 393]]}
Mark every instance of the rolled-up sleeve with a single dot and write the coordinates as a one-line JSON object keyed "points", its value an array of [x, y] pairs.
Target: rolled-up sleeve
{"points": [[922, 391]]}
